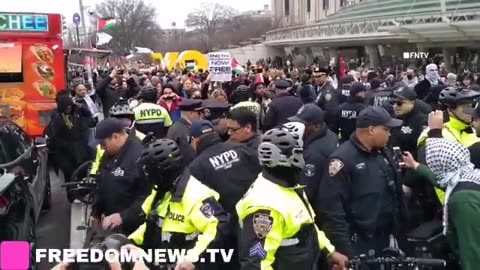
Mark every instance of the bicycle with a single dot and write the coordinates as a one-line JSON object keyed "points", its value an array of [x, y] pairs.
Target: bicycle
{"points": [[394, 259], [82, 188]]}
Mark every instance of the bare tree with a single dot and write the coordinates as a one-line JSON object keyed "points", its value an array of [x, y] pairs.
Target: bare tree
{"points": [[70, 37], [208, 18], [243, 28], [137, 25]]}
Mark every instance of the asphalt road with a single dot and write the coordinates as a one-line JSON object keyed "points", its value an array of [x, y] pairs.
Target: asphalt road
{"points": [[53, 229]]}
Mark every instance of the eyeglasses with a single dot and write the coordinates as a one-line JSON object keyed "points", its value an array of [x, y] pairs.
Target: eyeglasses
{"points": [[398, 103], [232, 130]]}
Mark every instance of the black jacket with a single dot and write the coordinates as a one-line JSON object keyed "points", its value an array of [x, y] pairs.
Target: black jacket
{"points": [[280, 109], [316, 152], [122, 186], [328, 98], [360, 195], [110, 95], [70, 144], [346, 117], [407, 134], [180, 133], [253, 142], [227, 168]]}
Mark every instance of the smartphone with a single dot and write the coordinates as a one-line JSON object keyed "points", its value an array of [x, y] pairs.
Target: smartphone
{"points": [[397, 152]]}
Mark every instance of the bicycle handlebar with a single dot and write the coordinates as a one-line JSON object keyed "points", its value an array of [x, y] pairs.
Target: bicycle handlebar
{"points": [[392, 260], [87, 184]]}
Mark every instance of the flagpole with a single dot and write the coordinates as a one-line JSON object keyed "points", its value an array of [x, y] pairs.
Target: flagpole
{"points": [[88, 45]]}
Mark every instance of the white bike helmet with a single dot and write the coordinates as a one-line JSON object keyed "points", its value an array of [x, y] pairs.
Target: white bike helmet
{"points": [[280, 147], [298, 129]]}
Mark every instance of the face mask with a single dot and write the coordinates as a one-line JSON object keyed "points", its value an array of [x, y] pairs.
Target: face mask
{"points": [[432, 73]]}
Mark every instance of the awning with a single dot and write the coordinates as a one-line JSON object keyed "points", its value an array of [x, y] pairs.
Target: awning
{"points": [[88, 52], [438, 32]]}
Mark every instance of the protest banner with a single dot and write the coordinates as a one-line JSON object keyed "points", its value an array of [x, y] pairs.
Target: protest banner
{"points": [[220, 66]]}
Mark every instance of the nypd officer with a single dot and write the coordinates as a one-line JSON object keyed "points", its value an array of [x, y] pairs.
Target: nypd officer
{"points": [[216, 112], [284, 105], [348, 111], [277, 222], [149, 116], [191, 110], [122, 186], [407, 109], [122, 111], [227, 168], [181, 212], [319, 142], [360, 198]]}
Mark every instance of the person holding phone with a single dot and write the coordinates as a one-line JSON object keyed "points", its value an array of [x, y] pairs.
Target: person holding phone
{"points": [[170, 100], [110, 90]]}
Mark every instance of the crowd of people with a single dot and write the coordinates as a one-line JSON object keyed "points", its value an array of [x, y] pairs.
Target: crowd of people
{"points": [[290, 169]]}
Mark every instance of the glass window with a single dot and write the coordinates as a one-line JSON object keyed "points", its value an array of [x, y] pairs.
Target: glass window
{"points": [[309, 5], [325, 4], [287, 7]]}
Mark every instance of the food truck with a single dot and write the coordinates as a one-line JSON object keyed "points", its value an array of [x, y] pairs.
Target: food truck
{"points": [[32, 68]]}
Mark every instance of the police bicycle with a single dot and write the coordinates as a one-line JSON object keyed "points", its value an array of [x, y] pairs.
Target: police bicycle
{"points": [[395, 259], [82, 187]]}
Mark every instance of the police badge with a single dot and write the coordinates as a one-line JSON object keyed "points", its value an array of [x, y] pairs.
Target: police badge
{"points": [[207, 210], [309, 170], [262, 224], [334, 166]]}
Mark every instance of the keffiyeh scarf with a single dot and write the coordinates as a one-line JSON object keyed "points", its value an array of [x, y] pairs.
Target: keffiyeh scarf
{"points": [[432, 74], [450, 162]]}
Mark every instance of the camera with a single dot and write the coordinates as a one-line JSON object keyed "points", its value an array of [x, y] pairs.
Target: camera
{"points": [[398, 155]]}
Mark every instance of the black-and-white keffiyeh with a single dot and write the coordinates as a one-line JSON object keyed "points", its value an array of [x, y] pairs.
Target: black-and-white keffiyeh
{"points": [[450, 162]]}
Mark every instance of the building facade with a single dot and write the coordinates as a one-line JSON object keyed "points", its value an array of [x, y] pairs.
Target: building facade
{"points": [[304, 12], [322, 28]]}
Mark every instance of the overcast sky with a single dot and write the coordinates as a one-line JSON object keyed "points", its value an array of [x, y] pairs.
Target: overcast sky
{"points": [[168, 10]]}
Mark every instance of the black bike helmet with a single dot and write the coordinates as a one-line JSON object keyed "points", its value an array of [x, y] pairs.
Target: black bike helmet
{"points": [[163, 154], [451, 96], [148, 93], [242, 93], [121, 109]]}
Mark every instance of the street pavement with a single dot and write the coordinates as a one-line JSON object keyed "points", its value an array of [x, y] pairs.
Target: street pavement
{"points": [[53, 228]]}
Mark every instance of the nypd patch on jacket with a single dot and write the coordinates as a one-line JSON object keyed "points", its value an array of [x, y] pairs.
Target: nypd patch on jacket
{"points": [[227, 168]]}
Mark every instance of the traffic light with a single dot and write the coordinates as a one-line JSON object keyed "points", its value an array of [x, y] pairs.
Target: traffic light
{"points": [[64, 26]]}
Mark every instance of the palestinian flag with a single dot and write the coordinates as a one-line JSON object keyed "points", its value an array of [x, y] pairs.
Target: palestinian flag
{"points": [[105, 24], [237, 68]]}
